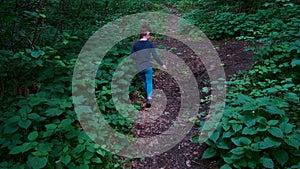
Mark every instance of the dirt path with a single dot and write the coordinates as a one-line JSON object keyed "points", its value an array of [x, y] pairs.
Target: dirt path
{"points": [[186, 154]]}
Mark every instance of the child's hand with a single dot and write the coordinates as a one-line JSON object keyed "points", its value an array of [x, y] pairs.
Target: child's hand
{"points": [[164, 67]]}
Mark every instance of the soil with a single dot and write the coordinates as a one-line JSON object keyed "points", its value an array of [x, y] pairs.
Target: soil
{"points": [[185, 154]]}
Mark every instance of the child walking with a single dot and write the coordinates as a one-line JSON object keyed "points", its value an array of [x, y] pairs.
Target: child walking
{"points": [[142, 52]]}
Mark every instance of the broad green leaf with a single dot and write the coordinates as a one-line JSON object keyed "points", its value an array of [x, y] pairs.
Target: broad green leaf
{"points": [[228, 134], [33, 101], [273, 122], [66, 124], [6, 52], [229, 160], [209, 152], [35, 54], [297, 166], [48, 133], [288, 86], [271, 90], [72, 134], [293, 97], [78, 149], [44, 147], [65, 159], [279, 102], [11, 128], [91, 148], [263, 101], [84, 166], [281, 156], [295, 62], [65, 105], [244, 141], [13, 119], [244, 98], [250, 120], [87, 155], [42, 15], [27, 146], [65, 42], [51, 126], [37, 162], [275, 131], [16, 150], [40, 153], [33, 135], [25, 110], [286, 127], [205, 89], [252, 164], [223, 145], [249, 131], [82, 137], [226, 126], [195, 138], [53, 112], [225, 166], [274, 110], [214, 137], [97, 160], [19, 54], [241, 141], [262, 128], [66, 149], [262, 120], [255, 147], [33, 116], [101, 152], [39, 62], [267, 143], [237, 127], [36, 117], [4, 164], [242, 162], [238, 151], [292, 141], [267, 162], [24, 123], [251, 106]]}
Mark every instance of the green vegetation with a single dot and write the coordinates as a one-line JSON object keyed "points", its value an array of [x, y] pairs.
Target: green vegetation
{"points": [[260, 125], [40, 41]]}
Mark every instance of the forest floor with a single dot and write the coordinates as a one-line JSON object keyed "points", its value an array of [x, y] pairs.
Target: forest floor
{"points": [[186, 154]]}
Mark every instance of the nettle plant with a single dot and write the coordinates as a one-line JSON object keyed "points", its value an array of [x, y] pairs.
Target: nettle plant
{"points": [[259, 128], [42, 130], [256, 132], [260, 124]]}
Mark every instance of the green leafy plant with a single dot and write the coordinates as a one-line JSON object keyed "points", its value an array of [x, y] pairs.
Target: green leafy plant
{"points": [[255, 132], [40, 42], [260, 124]]}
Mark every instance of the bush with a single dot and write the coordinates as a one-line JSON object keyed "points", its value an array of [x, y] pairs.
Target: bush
{"points": [[260, 124]]}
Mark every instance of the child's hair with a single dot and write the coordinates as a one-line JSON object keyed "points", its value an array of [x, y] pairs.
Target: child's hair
{"points": [[145, 27]]}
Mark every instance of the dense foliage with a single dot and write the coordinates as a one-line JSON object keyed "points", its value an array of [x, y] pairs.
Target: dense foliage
{"points": [[260, 125], [40, 41]]}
